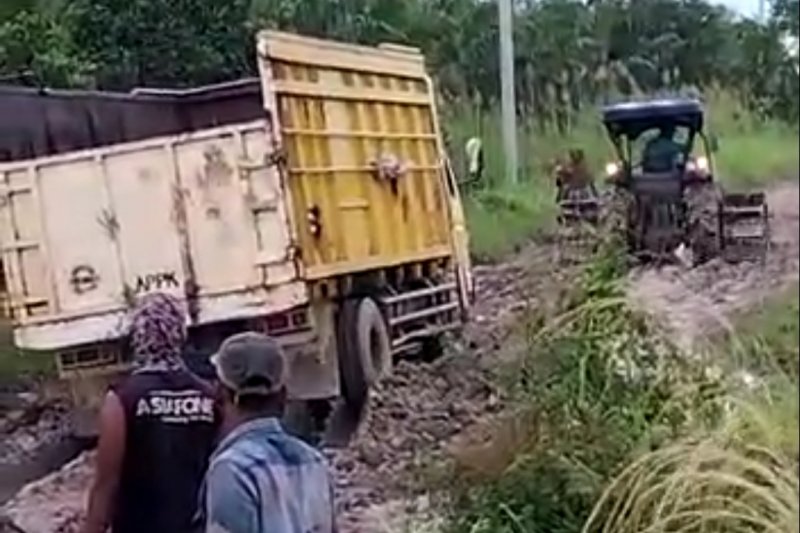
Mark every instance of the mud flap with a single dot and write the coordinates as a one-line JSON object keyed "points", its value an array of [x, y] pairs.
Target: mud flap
{"points": [[744, 226]]}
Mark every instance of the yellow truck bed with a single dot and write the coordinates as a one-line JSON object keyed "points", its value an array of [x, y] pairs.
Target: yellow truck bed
{"points": [[364, 165]]}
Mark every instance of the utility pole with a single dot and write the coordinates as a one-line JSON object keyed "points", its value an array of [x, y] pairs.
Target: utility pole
{"points": [[507, 98]]}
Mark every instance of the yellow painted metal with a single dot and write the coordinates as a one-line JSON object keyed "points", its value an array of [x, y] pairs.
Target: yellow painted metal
{"points": [[344, 113]]}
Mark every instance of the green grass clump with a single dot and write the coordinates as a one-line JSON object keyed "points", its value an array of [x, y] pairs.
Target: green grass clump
{"points": [[504, 218], [707, 486], [767, 337], [16, 366], [741, 474], [753, 152]]}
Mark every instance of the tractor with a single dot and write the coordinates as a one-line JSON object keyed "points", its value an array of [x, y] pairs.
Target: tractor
{"points": [[662, 196]]}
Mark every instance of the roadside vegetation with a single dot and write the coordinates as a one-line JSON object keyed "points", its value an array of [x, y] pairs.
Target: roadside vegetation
{"points": [[613, 429]]}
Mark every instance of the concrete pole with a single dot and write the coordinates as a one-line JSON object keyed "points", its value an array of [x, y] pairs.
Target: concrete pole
{"points": [[508, 100]]}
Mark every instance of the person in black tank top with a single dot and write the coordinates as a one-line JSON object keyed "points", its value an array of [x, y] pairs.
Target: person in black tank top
{"points": [[157, 431]]}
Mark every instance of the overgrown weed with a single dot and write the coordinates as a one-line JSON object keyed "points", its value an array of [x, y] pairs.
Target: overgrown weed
{"points": [[608, 416], [596, 386]]}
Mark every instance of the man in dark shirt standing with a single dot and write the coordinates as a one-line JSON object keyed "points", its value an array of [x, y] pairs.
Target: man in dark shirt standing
{"points": [[157, 430]]}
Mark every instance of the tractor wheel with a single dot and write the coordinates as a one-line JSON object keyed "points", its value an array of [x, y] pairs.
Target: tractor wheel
{"points": [[615, 217], [364, 357], [702, 221]]}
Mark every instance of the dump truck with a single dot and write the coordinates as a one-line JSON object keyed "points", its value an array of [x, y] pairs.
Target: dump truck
{"points": [[314, 203]]}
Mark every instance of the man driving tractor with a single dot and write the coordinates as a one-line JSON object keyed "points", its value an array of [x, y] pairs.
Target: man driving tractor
{"points": [[661, 153]]}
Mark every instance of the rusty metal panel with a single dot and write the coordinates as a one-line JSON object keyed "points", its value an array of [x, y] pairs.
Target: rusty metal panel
{"points": [[235, 211], [364, 165]]}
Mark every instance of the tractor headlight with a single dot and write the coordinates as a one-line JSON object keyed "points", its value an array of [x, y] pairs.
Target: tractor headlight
{"points": [[612, 169], [698, 165]]}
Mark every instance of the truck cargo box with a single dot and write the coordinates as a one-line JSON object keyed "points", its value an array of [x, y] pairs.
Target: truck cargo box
{"points": [[201, 215], [315, 204], [343, 174]]}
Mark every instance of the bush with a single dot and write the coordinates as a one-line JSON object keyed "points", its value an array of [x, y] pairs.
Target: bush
{"points": [[596, 386]]}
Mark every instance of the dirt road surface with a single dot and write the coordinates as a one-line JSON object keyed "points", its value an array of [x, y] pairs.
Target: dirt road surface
{"points": [[696, 303], [421, 407]]}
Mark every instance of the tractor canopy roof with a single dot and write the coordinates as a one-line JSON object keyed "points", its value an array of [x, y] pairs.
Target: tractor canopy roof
{"points": [[633, 118]]}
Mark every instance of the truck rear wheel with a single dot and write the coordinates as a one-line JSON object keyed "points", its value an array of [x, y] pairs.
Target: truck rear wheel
{"points": [[364, 348], [365, 356]]}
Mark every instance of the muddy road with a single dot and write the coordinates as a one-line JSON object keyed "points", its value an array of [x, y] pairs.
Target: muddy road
{"points": [[417, 412], [698, 303]]}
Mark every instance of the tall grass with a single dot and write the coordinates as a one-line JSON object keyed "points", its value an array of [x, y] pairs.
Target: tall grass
{"points": [[741, 474], [594, 387], [614, 430], [702, 487], [752, 153], [740, 477]]}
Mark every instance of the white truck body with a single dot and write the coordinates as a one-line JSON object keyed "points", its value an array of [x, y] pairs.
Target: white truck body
{"points": [[84, 232]]}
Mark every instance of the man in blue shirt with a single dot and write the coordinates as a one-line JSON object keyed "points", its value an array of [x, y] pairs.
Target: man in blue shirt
{"points": [[261, 479]]}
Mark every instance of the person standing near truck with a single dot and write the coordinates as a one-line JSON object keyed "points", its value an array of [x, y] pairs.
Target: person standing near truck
{"points": [[157, 430], [261, 479]]}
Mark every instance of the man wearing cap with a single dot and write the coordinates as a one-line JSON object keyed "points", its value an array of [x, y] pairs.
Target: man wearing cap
{"points": [[261, 479]]}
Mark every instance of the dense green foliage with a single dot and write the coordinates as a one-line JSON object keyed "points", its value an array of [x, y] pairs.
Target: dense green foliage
{"points": [[567, 52]]}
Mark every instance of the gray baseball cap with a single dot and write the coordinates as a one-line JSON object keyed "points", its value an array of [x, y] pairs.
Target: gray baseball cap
{"points": [[251, 363]]}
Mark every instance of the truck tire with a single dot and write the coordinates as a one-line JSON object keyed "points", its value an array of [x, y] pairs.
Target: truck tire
{"points": [[364, 354], [364, 348], [702, 221]]}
